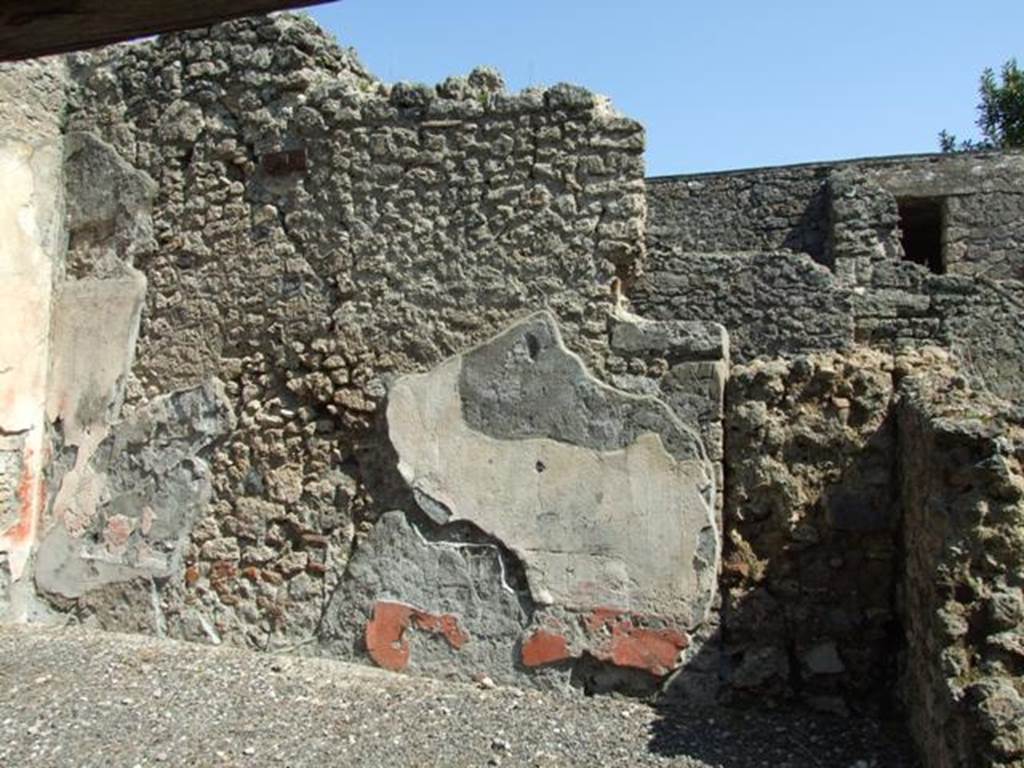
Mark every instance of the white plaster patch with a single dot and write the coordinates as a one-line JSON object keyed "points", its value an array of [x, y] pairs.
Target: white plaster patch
{"points": [[31, 195], [594, 528]]}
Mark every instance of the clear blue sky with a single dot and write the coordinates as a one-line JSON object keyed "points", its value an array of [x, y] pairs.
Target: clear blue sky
{"points": [[718, 84]]}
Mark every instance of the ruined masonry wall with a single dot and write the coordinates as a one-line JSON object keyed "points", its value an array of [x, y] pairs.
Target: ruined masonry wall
{"points": [[784, 303], [771, 209], [762, 210], [772, 303], [811, 522], [307, 233], [817, 436], [252, 276], [716, 252], [961, 599], [281, 281], [984, 194]]}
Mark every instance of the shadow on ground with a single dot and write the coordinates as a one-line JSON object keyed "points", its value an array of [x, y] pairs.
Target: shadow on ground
{"points": [[793, 738]]}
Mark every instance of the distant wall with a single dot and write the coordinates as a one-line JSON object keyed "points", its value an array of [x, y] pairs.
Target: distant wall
{"points": [[788, 207], [983, 194], [772, 303], [855, 285], [759, 210]]}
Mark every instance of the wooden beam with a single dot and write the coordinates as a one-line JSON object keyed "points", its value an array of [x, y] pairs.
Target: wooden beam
{"points": [[31, 28]]}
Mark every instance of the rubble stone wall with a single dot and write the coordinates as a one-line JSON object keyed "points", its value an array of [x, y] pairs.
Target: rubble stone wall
{"points": [[772, 303], [805, 267], [739, 249], [983, 195], [274, 400], [315, 231], [811, 530], [785, 304], [961, 599], [765, 210]]}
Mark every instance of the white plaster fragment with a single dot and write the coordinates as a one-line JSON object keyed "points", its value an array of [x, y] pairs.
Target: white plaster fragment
{"points": [[594, 528], [32, 196]]}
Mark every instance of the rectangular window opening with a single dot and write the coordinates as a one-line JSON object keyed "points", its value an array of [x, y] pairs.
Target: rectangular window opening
{"points": [[922, 222]]}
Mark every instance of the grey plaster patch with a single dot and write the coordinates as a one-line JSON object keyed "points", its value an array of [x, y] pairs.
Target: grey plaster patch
{"points": [[109, 206], [605, 496], [468, 580], [524, 383], [93, 334], [148, 483]]}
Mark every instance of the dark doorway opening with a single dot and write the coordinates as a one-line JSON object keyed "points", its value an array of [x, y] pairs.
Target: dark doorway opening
{"points": [[921, 226]]}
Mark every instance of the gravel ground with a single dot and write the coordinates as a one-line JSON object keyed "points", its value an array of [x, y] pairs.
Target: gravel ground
{"points": [[69, 697]]}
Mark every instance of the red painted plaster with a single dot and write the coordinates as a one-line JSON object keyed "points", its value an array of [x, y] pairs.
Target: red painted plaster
{"points": [[31, 497], [385, 635], [544, 647], [445, 625], [619, 641], [385, 632], [31, 492], [653, 650], [611, 635], [119, 529]]}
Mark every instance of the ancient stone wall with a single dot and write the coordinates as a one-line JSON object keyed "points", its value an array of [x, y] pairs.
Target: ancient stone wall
{"points": [[771, 209], [982, 196], [278, 414], [812, 514], [772, 303], [872, 533], [785, 303], [961, 600], [811, 529], [715, 243], [314, 231], [897, 304], [396, 373], [763, 210]]}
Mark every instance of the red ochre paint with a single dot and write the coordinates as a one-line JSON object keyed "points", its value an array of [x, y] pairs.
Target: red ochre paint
{"points": [[385, 632]]}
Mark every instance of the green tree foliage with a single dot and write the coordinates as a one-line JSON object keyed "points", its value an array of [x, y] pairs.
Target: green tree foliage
{"points": [[1000, 113]]}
